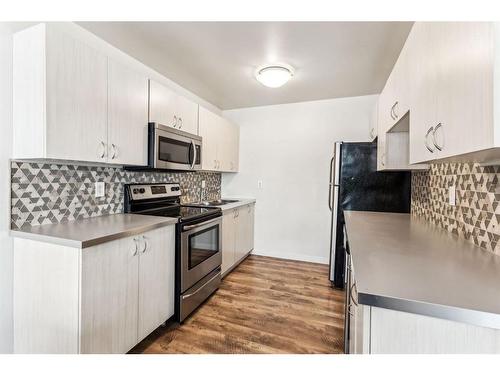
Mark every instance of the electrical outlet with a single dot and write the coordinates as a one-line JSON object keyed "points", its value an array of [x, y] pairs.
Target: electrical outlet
{"points": [[259, 184], [203, 184], [99, 189], [452, 195]]}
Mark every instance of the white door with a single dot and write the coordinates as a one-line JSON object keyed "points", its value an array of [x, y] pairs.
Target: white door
{"points": [[209, 127], [127, 115], [171, 109], [162, 103], [156, 279], [228, 240], [109, 298], [187, 115], [76, 86], [242, 222], [250, 227], [465, 76], [424, 91]]}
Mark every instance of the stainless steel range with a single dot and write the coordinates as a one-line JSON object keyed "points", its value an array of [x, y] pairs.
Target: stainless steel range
{"points": [[198, 241]]}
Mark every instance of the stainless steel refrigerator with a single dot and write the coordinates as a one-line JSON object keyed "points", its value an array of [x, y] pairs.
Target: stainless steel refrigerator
{"points": [[356, 185]]}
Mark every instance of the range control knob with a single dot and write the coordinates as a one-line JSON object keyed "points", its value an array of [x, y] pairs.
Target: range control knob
{"points": [[135, 191], [142, 190]]}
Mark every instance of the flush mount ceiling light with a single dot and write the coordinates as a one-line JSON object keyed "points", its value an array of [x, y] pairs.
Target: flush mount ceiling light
{"points": [[274, 75]]}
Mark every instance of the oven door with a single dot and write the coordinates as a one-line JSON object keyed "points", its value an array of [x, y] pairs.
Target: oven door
{"points": [[201, 251], [175, 149]]}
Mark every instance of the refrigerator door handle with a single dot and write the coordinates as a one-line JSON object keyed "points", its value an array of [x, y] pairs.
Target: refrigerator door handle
{"points": [[333, 233], [330, 184]]}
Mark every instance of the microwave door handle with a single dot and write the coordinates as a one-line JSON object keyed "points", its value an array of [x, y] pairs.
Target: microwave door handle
{"points": [[194, 154]]}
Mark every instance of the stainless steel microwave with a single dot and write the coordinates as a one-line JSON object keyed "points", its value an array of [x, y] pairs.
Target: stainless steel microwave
{"points": [[169, 148]]}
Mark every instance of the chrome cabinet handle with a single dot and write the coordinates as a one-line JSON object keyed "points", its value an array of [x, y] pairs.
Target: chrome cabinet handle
{"points": [[392, 113], [372, 133], [134, 250], [174, 124], [180, 122], [394, 106], [439, 147], [114, 148], [382, 161], [426, 139], [102, 145], [145, 244], [353, 286]]}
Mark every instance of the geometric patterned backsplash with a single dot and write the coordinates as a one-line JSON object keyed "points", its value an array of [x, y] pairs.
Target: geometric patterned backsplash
{"points": [[43, 193], [476, 215]]}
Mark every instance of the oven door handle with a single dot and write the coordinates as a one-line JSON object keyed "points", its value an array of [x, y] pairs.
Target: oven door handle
{"points": [[201, 287], [189, 227]]}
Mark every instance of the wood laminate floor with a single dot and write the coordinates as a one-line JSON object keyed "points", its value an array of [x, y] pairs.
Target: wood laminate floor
{"points": [[266, 305]]}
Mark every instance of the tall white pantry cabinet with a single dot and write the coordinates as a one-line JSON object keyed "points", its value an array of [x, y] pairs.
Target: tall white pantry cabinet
{"points": [[101, 299]]}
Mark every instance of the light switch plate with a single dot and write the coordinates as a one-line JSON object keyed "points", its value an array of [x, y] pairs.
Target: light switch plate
{"points": [[259, 184], [452, 195], [99, 189]]}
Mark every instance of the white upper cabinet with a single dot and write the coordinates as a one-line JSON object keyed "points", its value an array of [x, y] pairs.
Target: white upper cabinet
{"points": [[452, 81], [127, 115], [72, 102], [220, 150], [60, 97], [394, 101], [171, 109]]}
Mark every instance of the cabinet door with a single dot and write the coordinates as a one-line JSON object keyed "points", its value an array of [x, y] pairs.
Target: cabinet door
{"points": [[76, 96], [424, 90], [187, 115], [156, 279], [109, 298], [245, 230], [228, 240], [162, 104], [127, 115], [385, 102], [235, 148], [464, 80], [228, 146], [250, 227], [209, 127]]}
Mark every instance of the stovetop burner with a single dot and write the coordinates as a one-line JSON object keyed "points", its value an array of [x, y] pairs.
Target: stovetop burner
{"points": [[184, 213], [163, 199]]}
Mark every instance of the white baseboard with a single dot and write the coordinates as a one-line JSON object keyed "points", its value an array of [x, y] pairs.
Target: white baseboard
{"points": [[292, 256]]}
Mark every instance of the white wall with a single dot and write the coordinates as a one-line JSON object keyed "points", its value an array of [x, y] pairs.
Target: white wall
{"points": [[288, 147], [6, 337]]}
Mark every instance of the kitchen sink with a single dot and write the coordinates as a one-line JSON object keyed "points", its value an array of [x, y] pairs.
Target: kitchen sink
{"points": [[218, 202]]}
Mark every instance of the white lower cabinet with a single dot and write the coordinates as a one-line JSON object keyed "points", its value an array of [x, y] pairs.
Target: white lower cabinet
{"points": [[101, 299], [237, 235]]}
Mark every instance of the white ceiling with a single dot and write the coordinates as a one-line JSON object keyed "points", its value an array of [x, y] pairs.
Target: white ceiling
{"points": [[217, 60]]}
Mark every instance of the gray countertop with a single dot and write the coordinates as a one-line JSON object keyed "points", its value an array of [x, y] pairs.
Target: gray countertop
{"points": [[93, 231], [241, 202], [403, 263]]}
